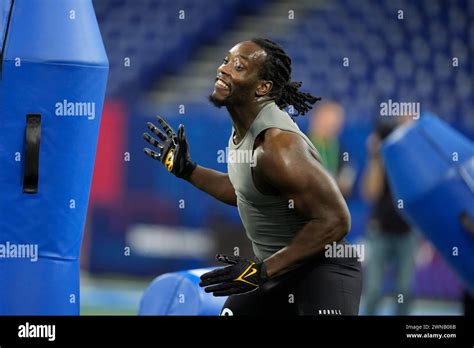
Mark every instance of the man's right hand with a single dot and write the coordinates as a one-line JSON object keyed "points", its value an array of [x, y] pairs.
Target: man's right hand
{"points": [[173, 149]]}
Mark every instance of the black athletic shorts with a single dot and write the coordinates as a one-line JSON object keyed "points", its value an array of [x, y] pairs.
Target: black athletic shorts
{"points": [[323, 286]]}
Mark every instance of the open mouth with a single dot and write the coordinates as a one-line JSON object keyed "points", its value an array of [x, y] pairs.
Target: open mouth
{"points": [[221, 84]]}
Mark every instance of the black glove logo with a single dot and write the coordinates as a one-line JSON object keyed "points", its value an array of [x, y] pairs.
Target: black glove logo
{"points": [[250, 271], [169, 160]]}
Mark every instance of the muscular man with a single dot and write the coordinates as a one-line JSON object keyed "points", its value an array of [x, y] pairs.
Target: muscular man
{"points": [[289, 205]]}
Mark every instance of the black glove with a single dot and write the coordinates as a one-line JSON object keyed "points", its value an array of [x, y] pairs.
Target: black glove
{"points": [[174, 149], [242, 276]]}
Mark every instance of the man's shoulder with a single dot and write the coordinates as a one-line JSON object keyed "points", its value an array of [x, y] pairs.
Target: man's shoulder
{"points": [[275, 148], [279, 140]]}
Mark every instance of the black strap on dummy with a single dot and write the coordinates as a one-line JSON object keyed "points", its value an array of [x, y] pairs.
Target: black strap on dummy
{"points": [[32, 145]]}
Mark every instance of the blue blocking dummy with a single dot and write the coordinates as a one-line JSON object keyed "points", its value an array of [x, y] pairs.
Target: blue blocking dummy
{"points": [[53, 79], [430, 168], [179, 293]]}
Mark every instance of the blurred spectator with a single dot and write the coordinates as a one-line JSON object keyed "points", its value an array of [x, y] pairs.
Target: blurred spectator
{"points": [[390, 238], [325, 126]]}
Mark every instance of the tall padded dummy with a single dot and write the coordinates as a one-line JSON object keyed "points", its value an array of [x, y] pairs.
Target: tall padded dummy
{"points": [[179, 293], [54, 73], [430, 167]]}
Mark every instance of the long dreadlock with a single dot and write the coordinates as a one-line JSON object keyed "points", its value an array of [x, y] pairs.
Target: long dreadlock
{"points": [[277, 68]]}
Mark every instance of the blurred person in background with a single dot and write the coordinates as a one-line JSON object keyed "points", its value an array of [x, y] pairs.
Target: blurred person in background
{"points": [[390, 238], [326, 124]]}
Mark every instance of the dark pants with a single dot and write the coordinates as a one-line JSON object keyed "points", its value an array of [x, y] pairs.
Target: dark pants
{"points": [[328, 287]]}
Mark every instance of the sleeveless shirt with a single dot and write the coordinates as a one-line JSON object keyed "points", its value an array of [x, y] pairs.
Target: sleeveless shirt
{"points": [[269, 220]]}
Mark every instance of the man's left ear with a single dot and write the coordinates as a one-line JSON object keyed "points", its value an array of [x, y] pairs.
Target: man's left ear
{"points": [[263, 88]]}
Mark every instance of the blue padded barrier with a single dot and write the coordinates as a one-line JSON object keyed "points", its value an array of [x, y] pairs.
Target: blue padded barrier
{"points": [[52, 88], [430, 167], [179, 293]]}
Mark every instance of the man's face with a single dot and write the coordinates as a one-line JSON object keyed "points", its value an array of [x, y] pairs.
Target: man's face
{"points": [[238, 76]]}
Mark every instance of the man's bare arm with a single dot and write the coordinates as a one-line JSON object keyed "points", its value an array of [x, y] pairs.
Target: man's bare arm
{"points": [[214, 183], [287, 163], [172, 150]]}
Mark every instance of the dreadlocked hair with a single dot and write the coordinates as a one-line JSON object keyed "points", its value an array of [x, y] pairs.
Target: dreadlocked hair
{"points": [[277, 68]]}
